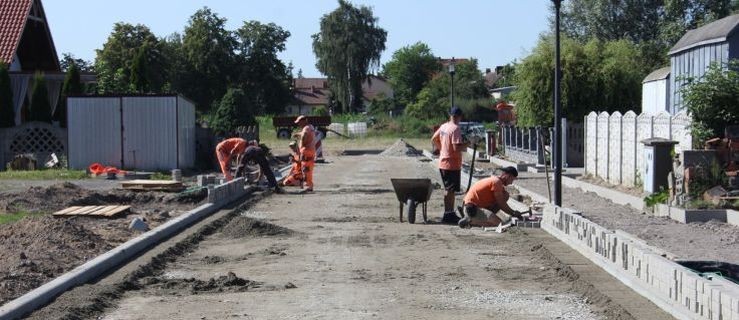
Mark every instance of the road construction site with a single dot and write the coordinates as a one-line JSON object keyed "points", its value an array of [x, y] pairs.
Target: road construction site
{"points": [[340, 252]]}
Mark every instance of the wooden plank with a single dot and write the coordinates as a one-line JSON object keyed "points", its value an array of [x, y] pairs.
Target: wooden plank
{"points": [[89, 210], [152, 183], [114, 211], [66, 211]]}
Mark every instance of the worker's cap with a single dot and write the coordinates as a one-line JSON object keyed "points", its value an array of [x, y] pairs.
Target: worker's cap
{"points": [[510, 170], [455, 111], [300, 118]]}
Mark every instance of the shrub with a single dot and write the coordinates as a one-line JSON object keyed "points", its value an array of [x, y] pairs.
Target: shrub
{"points": [[40, 109], [713, 100], [7, 112]]}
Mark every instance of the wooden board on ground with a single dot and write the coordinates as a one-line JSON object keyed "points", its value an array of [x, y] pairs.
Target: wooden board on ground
{"points": [[102, 211], [153, 185]]}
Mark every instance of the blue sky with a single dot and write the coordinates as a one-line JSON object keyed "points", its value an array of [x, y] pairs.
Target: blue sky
{"points": [[493, 31]]}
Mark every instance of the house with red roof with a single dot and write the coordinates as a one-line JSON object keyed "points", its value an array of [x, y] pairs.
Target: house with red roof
{"points": [[312, 93], [27, 47]]}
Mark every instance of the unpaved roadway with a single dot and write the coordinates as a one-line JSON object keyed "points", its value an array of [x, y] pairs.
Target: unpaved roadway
{"points": [[339, 253]]}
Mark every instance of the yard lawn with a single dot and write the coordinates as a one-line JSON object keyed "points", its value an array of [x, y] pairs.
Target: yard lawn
{"points": [[48, 174]]}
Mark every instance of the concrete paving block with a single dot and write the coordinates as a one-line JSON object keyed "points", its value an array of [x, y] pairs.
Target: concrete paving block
{"points": [[732, 217], [138, 224]]}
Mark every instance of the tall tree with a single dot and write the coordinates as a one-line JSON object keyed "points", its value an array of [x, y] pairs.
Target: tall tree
{"points": [[347, 48], [433, 101], [40, 109], [593, 76], [208, 50], [231, 111], [114, 61], [409, 70], [7, 113], [72, 86], [262, 73], [69, 59], [139, 71]]}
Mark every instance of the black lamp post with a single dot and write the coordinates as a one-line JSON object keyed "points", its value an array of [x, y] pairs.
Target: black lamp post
{"points": [[557, 112], [451, 73]]}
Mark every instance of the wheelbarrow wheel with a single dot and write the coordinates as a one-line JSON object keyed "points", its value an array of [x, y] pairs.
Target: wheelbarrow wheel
{"points": [[411, 211]]}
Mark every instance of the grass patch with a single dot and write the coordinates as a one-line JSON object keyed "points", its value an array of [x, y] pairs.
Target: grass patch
{"points": [[161, 176], [13, 217], [45, 174]]}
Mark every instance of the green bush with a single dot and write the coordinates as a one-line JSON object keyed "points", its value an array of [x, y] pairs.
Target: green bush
{"points": [[658, 197], [7, 112], [713, 101], [40, 109], [320, 111]]}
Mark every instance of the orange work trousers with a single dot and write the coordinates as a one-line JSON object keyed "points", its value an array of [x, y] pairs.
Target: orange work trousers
{"points": [[296, 175], [308, 163], [224, 159]]}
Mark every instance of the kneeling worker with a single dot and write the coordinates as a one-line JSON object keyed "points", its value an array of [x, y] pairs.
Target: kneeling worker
{"points": [[486, 198], [295, 178]]}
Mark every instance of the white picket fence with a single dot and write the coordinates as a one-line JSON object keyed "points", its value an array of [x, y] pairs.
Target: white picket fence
{"points": [[613, 148]]}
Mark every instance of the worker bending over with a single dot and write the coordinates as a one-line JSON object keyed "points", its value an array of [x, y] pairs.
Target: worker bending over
{"points": [[307, 148], [255, 153], [227, 150], [448, 140], [486, 198]]}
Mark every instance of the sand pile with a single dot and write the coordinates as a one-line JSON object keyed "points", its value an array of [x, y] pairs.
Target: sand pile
{"points": [[243, 227], [401, 149]]}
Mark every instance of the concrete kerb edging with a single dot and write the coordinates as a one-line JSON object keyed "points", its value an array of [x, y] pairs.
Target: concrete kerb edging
{"points": [[645, 269], [613, 195], [674, 288], [92, 269]]}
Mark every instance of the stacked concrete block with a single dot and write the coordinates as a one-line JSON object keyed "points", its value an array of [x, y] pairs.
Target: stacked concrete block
{"points": [[226, 192], [674, 288], [205, 180]]}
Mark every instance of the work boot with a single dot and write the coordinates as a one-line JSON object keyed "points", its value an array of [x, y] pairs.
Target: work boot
{"points": [[464, 223], [450, 218], [278, 190]]}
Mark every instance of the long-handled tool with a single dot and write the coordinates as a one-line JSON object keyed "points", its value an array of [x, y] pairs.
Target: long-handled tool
{"points": [[472, 165], [546, 168]]}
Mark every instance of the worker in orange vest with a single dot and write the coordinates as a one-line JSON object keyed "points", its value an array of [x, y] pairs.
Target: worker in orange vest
{"points": [[226, 150], [295, 178], [307, 147]]}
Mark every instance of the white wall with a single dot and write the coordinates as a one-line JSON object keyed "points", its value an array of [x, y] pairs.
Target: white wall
{"points": [[655, 97]]}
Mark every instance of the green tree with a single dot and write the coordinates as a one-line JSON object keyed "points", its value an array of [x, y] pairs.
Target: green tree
{"points": [[176, 73], [713, 101], [507, 75], [72, 86], [593, 76], [40, 110], [347, 48], [434, 100], [408, 71], [114, 62], [139, 71], [69, 59], [208, 50], [232, 111], [7, 113], [263, 74]]}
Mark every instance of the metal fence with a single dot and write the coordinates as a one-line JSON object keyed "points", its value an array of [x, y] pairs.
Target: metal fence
{"points": [[528, 144]]}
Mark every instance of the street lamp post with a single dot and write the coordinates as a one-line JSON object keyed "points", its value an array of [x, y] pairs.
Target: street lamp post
{"points": [[557, 112], [451, 73]]}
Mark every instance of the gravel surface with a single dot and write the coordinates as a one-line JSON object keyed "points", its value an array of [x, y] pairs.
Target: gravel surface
{"points": [[711, 240]]}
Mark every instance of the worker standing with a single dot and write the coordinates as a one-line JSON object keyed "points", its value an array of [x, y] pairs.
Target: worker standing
{"points": [[307, 148], [226, 150], [486, 197], [448, 140]]}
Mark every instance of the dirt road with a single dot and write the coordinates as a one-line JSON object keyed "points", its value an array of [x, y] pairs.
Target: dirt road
{"points": [[339, 253]]}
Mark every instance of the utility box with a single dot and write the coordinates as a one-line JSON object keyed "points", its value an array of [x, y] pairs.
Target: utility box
{"points": [[657, 163]]}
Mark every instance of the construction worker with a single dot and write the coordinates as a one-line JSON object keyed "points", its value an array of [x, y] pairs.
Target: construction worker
{"points": [[448, 140], [255, 153], [307, 148], [295, 178], [486, 198], [226, 150]]}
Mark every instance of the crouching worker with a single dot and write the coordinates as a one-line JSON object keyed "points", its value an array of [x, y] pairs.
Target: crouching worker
{"points": [[254, 153], [486, 198], [295, 179], [227, 150]]}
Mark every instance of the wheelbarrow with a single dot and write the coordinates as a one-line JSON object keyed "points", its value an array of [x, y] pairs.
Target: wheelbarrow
{"points": [[411, 192]]}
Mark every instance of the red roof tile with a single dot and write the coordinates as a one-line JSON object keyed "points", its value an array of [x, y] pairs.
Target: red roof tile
{"points": [[13, 15]]}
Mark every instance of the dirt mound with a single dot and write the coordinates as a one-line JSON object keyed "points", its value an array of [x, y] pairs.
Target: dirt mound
{"points": [[41, 248], [227, 283], [241, 226], [401, 149]]}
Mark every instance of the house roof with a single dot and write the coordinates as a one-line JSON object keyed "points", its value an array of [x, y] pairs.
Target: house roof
{"points": [[659, 74], [307, 96], [13, 16], [307, 83], [717, 31]]}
